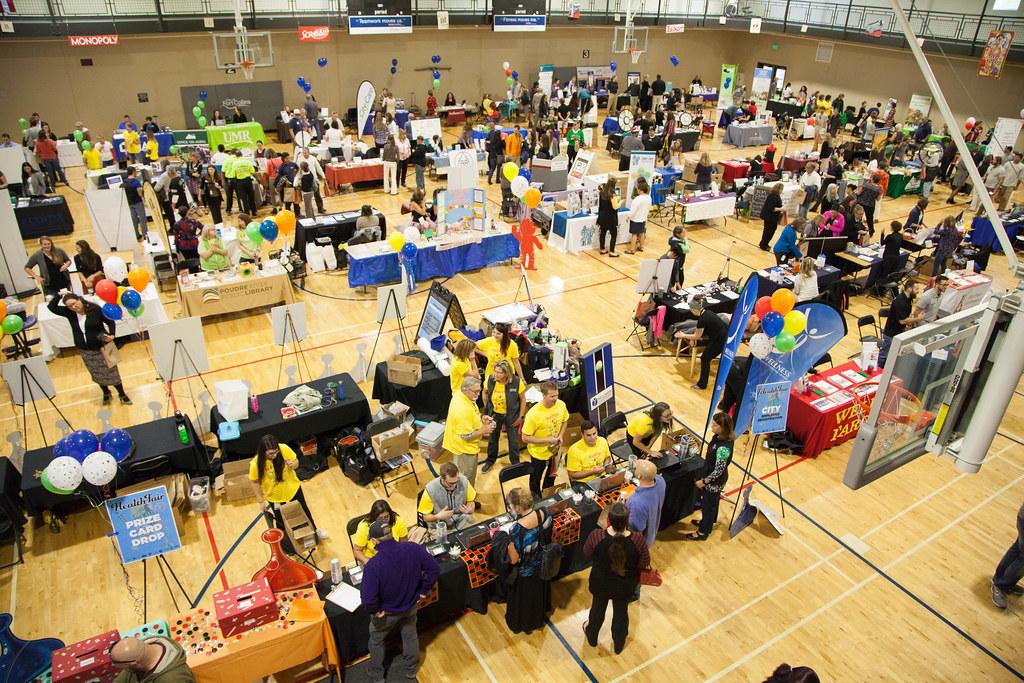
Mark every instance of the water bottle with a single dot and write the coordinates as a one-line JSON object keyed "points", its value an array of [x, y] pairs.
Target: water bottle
{"points": [[632, 465], [179, 419], [254, 403], [684, 447], [694, 450], [442, 533], [335, 572]]}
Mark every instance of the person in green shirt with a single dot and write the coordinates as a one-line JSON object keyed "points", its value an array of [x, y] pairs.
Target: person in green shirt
{"points": [[574, 139], [212, 254], [227, 170], [250, 250]]}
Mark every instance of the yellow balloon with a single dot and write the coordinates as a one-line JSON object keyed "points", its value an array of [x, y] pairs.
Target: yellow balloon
{"points": [[510, 170], [794, 322], [532, 197], [396, 240], [120, 291]]}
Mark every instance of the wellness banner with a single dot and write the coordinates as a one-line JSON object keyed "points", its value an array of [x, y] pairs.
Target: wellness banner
{"points": [[744, 309]]}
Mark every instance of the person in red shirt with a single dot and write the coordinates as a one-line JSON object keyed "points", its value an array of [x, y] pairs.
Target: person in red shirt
{"points": [[431, 103], [46, 150]]}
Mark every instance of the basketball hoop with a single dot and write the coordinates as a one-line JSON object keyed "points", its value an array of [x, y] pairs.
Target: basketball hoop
{"points": [[634, 54], [899, 418], [247, 69]]}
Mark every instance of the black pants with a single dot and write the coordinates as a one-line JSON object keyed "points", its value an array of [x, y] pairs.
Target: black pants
{"points": [[213, 204], [286, 543], [677, 270], [613, 232], [782, 257], [229, 185], [770, 226], [821, 194], [711, 351], [403, 171], [620, 620], [512, 434], [869, 217], [539, 478], [708, 510], [246, 196]]}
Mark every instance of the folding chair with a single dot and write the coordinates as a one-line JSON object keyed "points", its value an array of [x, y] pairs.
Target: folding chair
{"points": [[611, 424], [510, 472], [395, 463]]}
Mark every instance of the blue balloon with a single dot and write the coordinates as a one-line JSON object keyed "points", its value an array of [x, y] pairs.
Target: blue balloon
{"points": [[112, 311], [614, 66], [60, 449], [437, 74], [269, 230], [202, 94], [322, 62], [81, 444], [118, 443], [772, 323], [409, 249], [394, 62], [515, 74], [728, 81], [306, 87], [394, 70], [525, 172], [674, 60], [131, 299], [300, 80]]}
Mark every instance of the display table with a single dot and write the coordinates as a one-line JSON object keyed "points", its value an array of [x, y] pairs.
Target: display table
{"points": [[156, 439], [766, 286], [785, 108], [55, 332], [98, 177], [822, 422], [360, 171], [983, 234], [10, 494], [339, 226], [870, 258], [669, 176], [453, 114], [746, 134], [573, 235], [351, 410], [610, 125], [377, 263], [733, 169], [68, 154], [677, 307], [903, 181], [230, 293], [965, 290], [401, 118], [428, 401], [46, 216], [441, 163], [796, 164], [702, 207], [164, 142]]}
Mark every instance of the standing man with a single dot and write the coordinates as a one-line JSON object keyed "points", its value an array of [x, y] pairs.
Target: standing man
{"points": [[657, 92], [149, 127], [1011, 568], [646, 502], [298, 124], [1013, 171], [589, 457], [243, 170], [450, 499], [714, 328], [465, 427], [495, 148], [227, 170], [901, 317], [318, 173], [150, 660], [613, 95], [394, 580], [312, 111], [927, 307], [133, 189], [543, 430]]}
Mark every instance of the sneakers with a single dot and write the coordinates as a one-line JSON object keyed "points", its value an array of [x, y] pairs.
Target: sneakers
{"points": [[322, 535], [998, 597], [1014, 590], [487, 467], [697, 387], [125, 400]]}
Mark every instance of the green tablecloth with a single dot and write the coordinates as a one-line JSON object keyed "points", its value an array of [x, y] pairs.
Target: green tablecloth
{"points": [[903, 183]]}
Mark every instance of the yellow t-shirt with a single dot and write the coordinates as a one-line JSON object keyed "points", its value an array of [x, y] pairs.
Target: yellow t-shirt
{"points": [[463, 418], [398, 531], [92, 158], [459, 369], [426, 506], [581, 457], [277, 491], [544, 423], [153, 150], [492, 348], [497, 398], [131, 142], [641, 425]]}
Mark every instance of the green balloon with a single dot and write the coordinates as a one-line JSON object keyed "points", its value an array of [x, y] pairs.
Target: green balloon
{"points": [[86, 145], [252, 231], [201, 104], [197, 112], [202, 121], [509, 80], [12, 324], [174, 149], [437, 82], [24, 132], [79, 135], [45, 478], [138, 311], [785, 342], [23, 122]]}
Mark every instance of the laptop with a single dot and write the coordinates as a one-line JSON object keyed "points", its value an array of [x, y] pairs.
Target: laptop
{"points": [[667, 459], [556, 508], [606, 483], [473, 537]]}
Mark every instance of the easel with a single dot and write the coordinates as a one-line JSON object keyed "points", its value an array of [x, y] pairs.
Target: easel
{"points": [[723, 274], [171, 341], [26, 394], [749, 471], [180, 346], [288, 328], [647, 285], [161, 563], [392, 299], [525, 279]]}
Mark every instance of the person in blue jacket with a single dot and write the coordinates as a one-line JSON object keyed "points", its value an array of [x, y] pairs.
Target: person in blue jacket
{"points": [[785, 247]]}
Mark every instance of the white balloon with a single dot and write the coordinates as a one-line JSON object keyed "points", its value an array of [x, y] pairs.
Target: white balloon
{"points": [[411, 234], [99, 468], [1022, 113], [65, 473], [115, 269], [970, 120], [520, 186], [760, 345], [505, 66]]}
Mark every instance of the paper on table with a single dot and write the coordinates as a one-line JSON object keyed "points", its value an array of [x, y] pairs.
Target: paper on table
{"points": [[346, 597], [822, 404], [840, 381], [853, 376], [824, 387], [728, 294], [533, 395]]}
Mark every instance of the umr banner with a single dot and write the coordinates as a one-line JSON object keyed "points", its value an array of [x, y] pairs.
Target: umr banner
{"points": [[235, 135]]}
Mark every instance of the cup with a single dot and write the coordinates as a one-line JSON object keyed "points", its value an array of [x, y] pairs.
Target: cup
{"points": [[493, 527], [577, 497], [453, 552], [590, 494]]}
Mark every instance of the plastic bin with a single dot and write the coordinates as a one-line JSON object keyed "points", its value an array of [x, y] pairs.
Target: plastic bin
{"points": [[430, 439], [200, 501]]}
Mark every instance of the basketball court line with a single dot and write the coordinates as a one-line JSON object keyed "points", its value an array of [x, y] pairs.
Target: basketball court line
{"points": [[573, 653], [476, 653]]}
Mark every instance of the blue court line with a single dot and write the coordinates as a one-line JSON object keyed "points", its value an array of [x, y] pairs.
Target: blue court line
{"points": [[1010, 438], [565, 644], [884, 575], [224, 559]]}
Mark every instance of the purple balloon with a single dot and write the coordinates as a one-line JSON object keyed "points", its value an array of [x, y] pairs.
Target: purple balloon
{"points": [[81, 444], [118, 443], [772, 323]]}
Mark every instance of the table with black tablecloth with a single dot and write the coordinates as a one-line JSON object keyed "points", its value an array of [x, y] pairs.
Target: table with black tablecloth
{"points": [[45, 216], [339, 226], [688, 138], [351, 410], [156, 439], [10, 493], [614, 142], [427, 401], [680, 491], [779, 108], [716, 303], [766, 287]]}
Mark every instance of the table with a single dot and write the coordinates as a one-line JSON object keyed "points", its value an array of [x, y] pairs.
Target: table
{"points": [[340, 226], [453, 114], [820, 423], [362, 171], [766, 286], [573, 235], [377, 263], [733, 170], [231, 293], [68, 154], [869, 257], [401, 118], [983, 234], [10, 494], [782, 107], [745, 134], [156, 439], [55, 332], [428, 401], [614, 142], [702, 207], [965, 290], [610, 125], [441, 162], [98, 177], [677, 309], [351, 410], [796, 164], [903, 181], [669, 176], [46, 216], [164, 141]]}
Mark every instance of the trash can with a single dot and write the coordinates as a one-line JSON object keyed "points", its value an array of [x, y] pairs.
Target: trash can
{"points": [[199, 494]]}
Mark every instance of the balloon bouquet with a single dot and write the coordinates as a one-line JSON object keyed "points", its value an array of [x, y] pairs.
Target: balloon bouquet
{"points": [[81, 455], [199, 110], [269, 228], [114, 296], [405, 246], [780, 323], [436, 59], [519, 178], [304, 84]]}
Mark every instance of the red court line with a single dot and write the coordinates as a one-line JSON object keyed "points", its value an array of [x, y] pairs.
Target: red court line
{"points": [[609, 265], [216, 553], [770, 474]]}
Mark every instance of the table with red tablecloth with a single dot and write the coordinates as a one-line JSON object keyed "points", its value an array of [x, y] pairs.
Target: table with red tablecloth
{"points": [[363, 171], [823, 421], [795, 164], [733, 170]]}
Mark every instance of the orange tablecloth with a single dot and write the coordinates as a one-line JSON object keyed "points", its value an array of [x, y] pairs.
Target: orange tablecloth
{"points": [[355, 172]]}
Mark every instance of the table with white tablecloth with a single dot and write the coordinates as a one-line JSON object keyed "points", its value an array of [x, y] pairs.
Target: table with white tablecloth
{"points": [[746, 134], [573, 235], [68, 154], [55, 332], [965, 290], [704, 207]]}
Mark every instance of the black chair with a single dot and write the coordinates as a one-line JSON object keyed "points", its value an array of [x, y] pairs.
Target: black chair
{"points": [[611, 424], [150, 468], [827, 358], [660, 193], [419, 515], [395, 463], [190, 265], [510, 472], [869, 322], [890, 284], [350, 531], [9, 528]]}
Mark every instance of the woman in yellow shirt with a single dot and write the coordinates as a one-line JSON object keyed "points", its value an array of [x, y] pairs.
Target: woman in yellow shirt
{"points": [[505, 401], [92, 158], [152, 148], [464, 363], [363, 548], [500, 346], [645, 428], [273, 479]]}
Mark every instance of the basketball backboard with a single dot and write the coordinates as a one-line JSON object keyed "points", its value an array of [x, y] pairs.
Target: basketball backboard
{"points": [[630, 40], [230, 50]]}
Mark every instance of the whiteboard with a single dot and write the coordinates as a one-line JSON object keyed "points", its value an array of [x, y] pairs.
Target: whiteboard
{"points": [[428, 128], [1005, 134]]}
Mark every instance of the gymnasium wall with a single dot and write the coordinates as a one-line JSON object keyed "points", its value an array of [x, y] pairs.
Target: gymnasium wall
{"points": [[52, 81]]}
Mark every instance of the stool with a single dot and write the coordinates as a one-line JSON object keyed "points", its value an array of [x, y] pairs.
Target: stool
{"points": [[22, 347]]}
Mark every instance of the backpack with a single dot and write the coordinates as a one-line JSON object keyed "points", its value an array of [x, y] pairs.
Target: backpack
{"points": [[550, 555]]}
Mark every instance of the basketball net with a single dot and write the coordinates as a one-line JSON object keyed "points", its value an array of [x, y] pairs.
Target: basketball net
{"points": [[634, 54], [898, 420], [247, 69]]}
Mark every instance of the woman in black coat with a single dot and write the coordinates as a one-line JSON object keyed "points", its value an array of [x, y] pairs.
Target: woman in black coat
{"points": [[90, 335], [607, 217], [619, 555], [771, 212]]}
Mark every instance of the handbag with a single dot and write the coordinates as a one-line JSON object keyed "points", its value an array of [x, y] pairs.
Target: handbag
{"points": [[289, 195], [649, 576], [110, 354]]}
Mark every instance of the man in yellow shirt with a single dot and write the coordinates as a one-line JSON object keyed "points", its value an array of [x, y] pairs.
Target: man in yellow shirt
{"points": [[243, 169], [92, 158], [543, 430], [589, 457], [152, 148], [465, 427], [449, 499], [131, 146]]}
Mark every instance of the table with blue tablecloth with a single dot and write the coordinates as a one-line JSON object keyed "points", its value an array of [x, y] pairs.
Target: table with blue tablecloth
{"points": [[573, 235], [401, 118], [610, 125], [982, 232], [669, 176], [377, 263], [766, 286], [743, 135], [482, 134]]}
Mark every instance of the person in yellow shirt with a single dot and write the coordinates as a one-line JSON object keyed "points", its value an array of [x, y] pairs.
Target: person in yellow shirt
{"points": [[273, 479], [498, 346], [92, 158], [131, 146], [152, 148], [505, 402], [450, 499], [644, 429], [227, 171], [464, 363], [543, 430], [465, 427], [589, 457], [362, 547]]}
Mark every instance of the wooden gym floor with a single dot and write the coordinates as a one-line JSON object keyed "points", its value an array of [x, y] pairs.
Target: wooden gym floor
{"points": [[889, 582]]}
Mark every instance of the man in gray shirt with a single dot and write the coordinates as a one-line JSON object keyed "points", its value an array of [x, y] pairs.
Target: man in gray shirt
{"points": [[313, 115], [927, 305]]}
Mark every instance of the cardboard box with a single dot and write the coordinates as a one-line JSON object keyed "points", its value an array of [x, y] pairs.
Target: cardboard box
{"points": [[404, 370], [177, 493], [573, 433], [396, 409], [298, 527], [86, 660], [670, 439], [245, 607], [391, 444], [237, 485]]}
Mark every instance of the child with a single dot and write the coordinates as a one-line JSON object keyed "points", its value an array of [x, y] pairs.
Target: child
{"points": [[678, 248]]}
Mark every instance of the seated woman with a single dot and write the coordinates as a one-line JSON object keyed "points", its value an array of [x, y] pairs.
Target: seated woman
{"points": [[449, 100], [250, 251], [644, 429], [212, 254], [367, 226], [33, 182], [362, 547], [88, 265], [418, 207]]}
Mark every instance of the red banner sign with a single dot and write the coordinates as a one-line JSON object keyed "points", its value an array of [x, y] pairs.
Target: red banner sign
{"points": [[94, 41], [314, 33]]}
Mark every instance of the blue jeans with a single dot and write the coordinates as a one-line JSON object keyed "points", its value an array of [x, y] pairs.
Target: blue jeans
{"points": [[939, 263], [51, 167], [1011, 568], [420, 182], [492, 166]]}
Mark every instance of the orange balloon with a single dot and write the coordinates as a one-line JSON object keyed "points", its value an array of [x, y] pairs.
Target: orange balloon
{"points": [[285, 222], [3, 309], [783, 301], [138, 278], [532, 197]]}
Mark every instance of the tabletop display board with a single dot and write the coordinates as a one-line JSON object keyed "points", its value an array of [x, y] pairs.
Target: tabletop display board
{"points": [[143, 524], [462, 209], [428, 128]]}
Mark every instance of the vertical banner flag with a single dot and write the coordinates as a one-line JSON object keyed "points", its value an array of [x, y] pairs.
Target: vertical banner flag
{"points": [[143, 524], [744, 309], [997, 49], [728, 83], [640, 164], [365, 97], [760, 86], [824, 329]]}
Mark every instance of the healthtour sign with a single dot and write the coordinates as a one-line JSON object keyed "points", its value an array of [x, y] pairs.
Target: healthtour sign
{"points": [[235, 135], [143, 524]]}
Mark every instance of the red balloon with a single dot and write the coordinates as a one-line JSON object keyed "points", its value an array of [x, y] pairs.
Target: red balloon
{"points": [[508, 72], [106, 290], [763, 305], [968, 125]]}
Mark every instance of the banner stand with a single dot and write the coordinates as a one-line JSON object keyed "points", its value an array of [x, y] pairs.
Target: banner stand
{"points": [[748, 472]]}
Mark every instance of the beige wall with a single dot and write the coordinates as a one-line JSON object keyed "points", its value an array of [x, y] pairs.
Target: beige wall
{"points": [[62, 90]]}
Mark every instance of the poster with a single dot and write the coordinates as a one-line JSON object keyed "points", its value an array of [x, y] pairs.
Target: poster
{"points": [[727, 84], [236, 135], [760, 87], [640, 163], [1005, 134], [460, 210], [996, 50], [580, 166], [890, 109], [544, 78], [632, 77], [744, 307], [771, 405], [921, 104], [143, 524]]}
